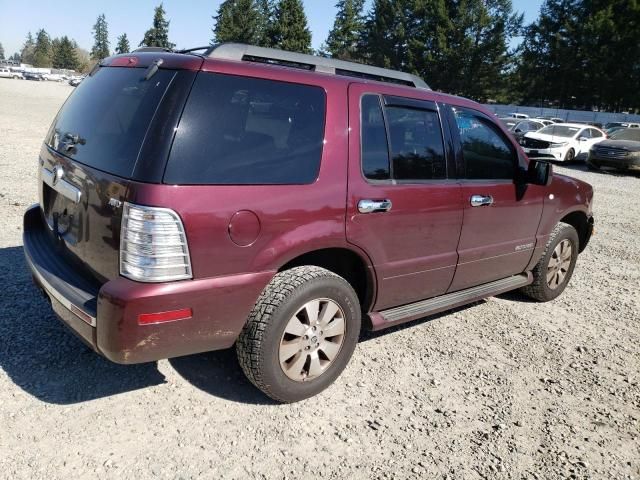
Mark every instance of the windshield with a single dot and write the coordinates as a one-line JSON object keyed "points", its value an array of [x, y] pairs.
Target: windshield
{"points": [[104, 121], [560, 131], [627, 134]]}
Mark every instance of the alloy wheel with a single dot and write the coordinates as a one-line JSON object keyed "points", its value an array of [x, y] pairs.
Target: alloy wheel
{"points": [[559, 264], [312, 339]]}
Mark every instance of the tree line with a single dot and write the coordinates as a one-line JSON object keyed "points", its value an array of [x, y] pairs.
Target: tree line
{"points": [[576, 54]]}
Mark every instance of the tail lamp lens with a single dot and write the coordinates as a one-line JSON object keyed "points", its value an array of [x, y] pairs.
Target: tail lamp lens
{"points": [[153, 245]]}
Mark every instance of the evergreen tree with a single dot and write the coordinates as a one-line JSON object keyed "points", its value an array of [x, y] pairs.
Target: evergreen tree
{"points": [[265, 22], [100, 48], [27, 50], [123, 44], [16, 58], [1, 52], [64, 55], [42, 52], [290, 31], [342, 41], [238, 21], [158, 34]]}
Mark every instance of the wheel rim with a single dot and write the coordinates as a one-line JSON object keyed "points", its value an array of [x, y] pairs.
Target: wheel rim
{"points": [[570, 155], [312, 340], [559, 264]]}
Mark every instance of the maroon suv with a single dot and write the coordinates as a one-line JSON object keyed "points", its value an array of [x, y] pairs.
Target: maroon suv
{"points": [[276, 201]]}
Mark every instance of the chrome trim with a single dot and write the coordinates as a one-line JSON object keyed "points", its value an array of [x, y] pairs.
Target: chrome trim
{"points": [[59, 297], [54, 180], [372, 206], [481, 200]]}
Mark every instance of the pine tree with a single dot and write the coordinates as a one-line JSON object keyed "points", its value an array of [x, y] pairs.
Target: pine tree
{"points": [[16, 58], [1, 52], [100, 48], [342, 41], [290, 30], [65, 55], [42, 50], [158, 34], [265, 22], [27, 50], [123, 44], [238, 21]]}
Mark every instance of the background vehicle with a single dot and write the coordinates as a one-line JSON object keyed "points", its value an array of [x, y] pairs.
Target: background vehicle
{"points": [[258, 222], [54, 77], [609, 125], [562, 141], [525, 126], [620, 151], [509, 122], [33, 76], [75, 81], [519, 115], [8, 73]]}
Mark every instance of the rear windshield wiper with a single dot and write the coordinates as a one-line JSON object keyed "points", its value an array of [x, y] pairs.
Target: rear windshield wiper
{"points": [[153, 69]]}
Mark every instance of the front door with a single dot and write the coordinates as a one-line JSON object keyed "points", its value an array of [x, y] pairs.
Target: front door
{"points": [[501, 216], [402, 208]]}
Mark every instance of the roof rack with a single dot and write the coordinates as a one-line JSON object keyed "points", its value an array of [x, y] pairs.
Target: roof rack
{"points": [[239, 51]]}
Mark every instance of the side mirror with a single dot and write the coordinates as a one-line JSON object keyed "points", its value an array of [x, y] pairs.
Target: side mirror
{"points": [[517, 130], [539, 173], [583, 139]]}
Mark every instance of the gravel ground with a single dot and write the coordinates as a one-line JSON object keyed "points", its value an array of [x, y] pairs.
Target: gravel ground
{"points": [[504, 388]]}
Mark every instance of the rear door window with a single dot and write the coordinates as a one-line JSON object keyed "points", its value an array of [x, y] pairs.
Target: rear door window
{"points": [[248, 131], [401, 142], [104, 121]]}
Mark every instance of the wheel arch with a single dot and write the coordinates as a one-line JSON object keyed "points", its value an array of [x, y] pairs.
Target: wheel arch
{"points": [[354, 266], [583, 225]]}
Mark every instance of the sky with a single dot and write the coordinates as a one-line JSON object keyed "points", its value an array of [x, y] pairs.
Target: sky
{"points": [[191, 21]]}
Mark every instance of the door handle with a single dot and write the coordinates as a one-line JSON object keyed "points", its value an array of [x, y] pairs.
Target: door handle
{"points": [[481, 200], [372, 206]]}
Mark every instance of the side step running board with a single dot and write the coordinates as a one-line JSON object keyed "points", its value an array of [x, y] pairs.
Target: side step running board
{"points": [[413, 311]]}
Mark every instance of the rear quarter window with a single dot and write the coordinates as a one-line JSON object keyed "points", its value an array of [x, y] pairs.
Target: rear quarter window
{"points": [[248, 131]]}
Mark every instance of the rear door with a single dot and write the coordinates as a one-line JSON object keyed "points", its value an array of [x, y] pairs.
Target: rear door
{"points": [[501, 216], [402, 208]]}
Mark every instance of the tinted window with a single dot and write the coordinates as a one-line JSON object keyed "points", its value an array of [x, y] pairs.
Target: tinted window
{"points": [[375, 152], [595, 133], [104, 121], [487, 155], [240, 130], [417, 150]]}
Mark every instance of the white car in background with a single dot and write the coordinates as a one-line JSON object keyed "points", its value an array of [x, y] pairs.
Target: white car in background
{"points": [[8, 73], [54, 77], [562, 141]]}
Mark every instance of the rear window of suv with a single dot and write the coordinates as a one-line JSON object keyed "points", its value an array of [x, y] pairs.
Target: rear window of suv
{"points": [[248, 131], [104, 121]]}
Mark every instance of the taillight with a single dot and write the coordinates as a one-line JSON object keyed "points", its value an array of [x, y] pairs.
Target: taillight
{"points": [[153, 245]]}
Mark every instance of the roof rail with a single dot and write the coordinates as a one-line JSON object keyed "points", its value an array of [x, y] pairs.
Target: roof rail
{"points": [[239, 51], [152, 49]]}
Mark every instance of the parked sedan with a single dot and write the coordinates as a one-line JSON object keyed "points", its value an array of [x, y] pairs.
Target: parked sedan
{"points": [[621, 151], [562, 141], [33, 76]]}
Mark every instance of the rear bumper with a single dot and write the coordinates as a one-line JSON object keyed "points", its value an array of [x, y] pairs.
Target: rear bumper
{"points": [[106, 316]]}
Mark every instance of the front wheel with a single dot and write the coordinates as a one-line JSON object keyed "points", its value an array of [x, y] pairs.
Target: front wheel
{"points": [[554, 270], [301, 333]]}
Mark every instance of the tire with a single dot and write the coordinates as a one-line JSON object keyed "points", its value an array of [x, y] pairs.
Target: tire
{"points": [[593, 167], [265, 341], [542, 289], [570, 156]]}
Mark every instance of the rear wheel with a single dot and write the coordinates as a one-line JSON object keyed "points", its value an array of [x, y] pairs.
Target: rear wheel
{"points": [[554, 270], [300, 334], [570, 155]]}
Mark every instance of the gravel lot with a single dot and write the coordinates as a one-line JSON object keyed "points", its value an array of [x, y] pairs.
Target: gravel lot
{"points": [[504, 388]]}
